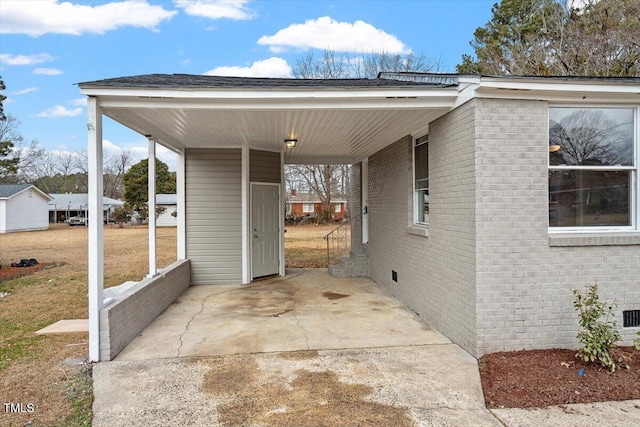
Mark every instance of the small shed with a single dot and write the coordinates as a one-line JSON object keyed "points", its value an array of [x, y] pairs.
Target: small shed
{"points": [[23, 207]]}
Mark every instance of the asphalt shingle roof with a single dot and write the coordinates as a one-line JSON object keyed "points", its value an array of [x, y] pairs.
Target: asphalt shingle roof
{"points": [[190, 81], [8, 190]]}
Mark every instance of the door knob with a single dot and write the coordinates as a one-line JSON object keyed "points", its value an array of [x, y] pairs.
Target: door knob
{"points": [[255, 236]]}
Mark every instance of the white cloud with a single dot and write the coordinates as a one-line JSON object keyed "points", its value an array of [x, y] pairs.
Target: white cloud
{"points": [[48, 71], [64, 151], [216, 9], [272, 67], [78, 101], [26, 91], [59, 111], [140, 150], [36, 18], [327, 33], [38, 58]]}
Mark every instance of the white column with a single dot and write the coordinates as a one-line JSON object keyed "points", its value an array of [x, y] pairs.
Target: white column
{"points": [[182, 206], [281, 212], [153, 268], [246, 223], [96, 229], [364, 189]]}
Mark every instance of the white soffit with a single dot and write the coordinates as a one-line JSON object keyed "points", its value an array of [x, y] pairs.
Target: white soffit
{"points": [[560, 90], [338, 130]]}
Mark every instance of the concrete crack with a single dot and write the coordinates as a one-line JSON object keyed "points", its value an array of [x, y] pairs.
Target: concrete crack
{"points": [[306, 335], [186, 329]]}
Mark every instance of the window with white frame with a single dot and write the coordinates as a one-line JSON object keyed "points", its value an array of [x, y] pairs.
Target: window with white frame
{"points": [[307, 208], [593, 168], [421, 179], [337, 208]]}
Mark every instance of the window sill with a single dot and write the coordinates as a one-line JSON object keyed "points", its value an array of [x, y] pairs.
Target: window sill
{"points": [[595, 239], [418, 230]]}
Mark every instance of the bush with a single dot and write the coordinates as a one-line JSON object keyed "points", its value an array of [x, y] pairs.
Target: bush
{"points": [[599, 334]]}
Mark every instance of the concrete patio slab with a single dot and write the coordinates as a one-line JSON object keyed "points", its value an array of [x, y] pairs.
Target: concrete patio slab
{"points": [[311, 350], [307, 309], [65, 327], [424, 385], [622, 414]]}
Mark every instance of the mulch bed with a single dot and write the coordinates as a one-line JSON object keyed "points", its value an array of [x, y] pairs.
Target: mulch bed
{"points": [[538, 378], [7, 272]]}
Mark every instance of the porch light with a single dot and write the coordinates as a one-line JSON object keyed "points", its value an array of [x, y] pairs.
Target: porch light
{"points": [[554, 147], [290, 143]]}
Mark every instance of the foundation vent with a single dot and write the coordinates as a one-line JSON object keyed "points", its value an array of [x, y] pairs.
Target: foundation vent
{"points": [[631, 318]]}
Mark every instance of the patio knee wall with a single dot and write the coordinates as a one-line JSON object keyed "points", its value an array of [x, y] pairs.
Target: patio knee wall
{"points": [[134, 309], [525, 276], [435, 266]]}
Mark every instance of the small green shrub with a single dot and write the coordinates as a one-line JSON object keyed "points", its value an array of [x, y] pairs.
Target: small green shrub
{"points": [[599, 333], [636, 342]]}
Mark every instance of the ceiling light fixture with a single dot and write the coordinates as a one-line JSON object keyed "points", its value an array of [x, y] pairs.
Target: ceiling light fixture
{"points": [[554, 147], [290, 143]]}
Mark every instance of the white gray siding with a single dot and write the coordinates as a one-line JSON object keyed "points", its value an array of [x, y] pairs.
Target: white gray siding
{"points": [[213, 214], [264, 166]]}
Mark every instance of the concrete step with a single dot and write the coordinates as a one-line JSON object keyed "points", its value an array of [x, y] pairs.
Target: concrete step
{"points": [[354, 262], [358, 255]]}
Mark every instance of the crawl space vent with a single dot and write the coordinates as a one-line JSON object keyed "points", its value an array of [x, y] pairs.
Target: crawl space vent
{"points": [[630, 318]]}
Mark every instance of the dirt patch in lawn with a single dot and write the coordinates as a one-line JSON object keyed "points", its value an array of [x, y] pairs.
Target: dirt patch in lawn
{"points": [[7, 272], [538, 378]]}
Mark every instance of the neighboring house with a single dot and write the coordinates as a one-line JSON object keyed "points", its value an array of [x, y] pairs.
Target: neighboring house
{"points": [[299, 205], [23, 207], [485, 200], [68, 205], [170, 204]]}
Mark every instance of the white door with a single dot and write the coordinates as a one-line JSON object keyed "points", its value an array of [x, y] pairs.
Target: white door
{"points": [[265, 233]]}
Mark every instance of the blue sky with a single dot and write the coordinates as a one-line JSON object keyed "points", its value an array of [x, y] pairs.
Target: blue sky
{"points": [[46, 46]]}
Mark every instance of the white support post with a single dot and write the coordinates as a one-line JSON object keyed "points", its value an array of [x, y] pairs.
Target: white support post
{"points": [[182, 206], [153, 268], [246, 223], [281, 212], [96, 229]]}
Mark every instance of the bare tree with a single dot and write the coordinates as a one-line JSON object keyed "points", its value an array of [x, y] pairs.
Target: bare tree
{"points": [[326, 182], [10, 140], [115, 167], [331, 65]]}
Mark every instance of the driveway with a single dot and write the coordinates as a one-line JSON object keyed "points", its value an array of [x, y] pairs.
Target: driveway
{"points": [[304, 350]]}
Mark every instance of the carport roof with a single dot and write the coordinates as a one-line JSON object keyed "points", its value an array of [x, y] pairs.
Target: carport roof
{"points": [[334, 120]]}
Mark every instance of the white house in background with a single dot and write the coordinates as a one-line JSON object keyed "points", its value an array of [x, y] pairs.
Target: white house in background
{"points": [[67, 205], [23, 207], [170, 204]]}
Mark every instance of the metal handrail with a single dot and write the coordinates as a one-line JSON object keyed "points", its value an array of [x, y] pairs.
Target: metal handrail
{"points": [[339, 239]]}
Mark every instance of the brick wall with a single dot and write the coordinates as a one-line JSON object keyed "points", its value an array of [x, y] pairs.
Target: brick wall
{"points": [[524, 278], [133, 310], [355, 206], [436, 274]]}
